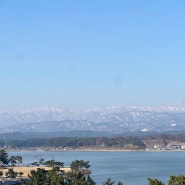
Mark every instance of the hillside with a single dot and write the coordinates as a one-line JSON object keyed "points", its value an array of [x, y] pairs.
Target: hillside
{"points": [[112, 120]]}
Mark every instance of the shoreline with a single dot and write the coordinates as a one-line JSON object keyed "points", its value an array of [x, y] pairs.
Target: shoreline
{"points": [[89, 150]]}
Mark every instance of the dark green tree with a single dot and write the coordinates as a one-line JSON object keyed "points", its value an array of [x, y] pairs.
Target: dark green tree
{"points": [[177, 180], [11, 174], [59, 164], [35, 163], [38, 177], [108, 182], [79, 165], [4, 157], [18, 159], [20, 174], [41, 161], [50, 163], [1, 173], [12, 160], [90, 181], [54, 178], [53, 163], [155, 182], [78, 179]]}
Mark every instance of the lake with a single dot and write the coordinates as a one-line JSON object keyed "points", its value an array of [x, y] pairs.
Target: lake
{"points": [[128, 167]]}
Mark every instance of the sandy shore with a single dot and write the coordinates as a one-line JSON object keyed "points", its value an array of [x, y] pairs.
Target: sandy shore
{"points": [[26, 170]]}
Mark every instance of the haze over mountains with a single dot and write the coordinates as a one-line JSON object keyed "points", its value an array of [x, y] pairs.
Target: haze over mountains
{"points": [[111, 120]]}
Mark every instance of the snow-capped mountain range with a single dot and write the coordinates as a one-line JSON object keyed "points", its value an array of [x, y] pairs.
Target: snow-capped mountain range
{"points": [[112, 119]]}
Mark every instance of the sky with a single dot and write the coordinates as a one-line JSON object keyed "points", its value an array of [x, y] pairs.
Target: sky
{"points": [[86, 54]]}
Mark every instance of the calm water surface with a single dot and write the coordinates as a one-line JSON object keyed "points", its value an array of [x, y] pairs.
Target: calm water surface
{"points": [[132, 168]]}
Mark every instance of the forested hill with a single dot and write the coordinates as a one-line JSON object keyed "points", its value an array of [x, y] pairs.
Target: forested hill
{"points": [[74, 133], [128, 142], [108, 142]]}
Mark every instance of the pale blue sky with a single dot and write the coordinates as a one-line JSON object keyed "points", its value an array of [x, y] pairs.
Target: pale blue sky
{"points": [[85, 54]]}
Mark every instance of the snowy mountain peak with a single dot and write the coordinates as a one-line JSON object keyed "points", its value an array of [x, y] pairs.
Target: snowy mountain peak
{"points": [[112, 119]]}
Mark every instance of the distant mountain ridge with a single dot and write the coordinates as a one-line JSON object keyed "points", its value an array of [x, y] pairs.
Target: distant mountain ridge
{"points": [[112, 119]]}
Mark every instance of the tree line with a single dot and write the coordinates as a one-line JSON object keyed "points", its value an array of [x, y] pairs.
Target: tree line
{"points": [[43, 177], [5, 160], [117, 142], [124, 142]]}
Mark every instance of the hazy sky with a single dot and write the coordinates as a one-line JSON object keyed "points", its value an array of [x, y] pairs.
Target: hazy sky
{"points": [[83, 54]]}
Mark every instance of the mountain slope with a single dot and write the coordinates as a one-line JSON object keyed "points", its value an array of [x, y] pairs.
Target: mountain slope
{"points": [[112, 119]]}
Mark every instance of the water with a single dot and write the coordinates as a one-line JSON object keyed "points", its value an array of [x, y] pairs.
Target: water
{"points": [[131, 168]]}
